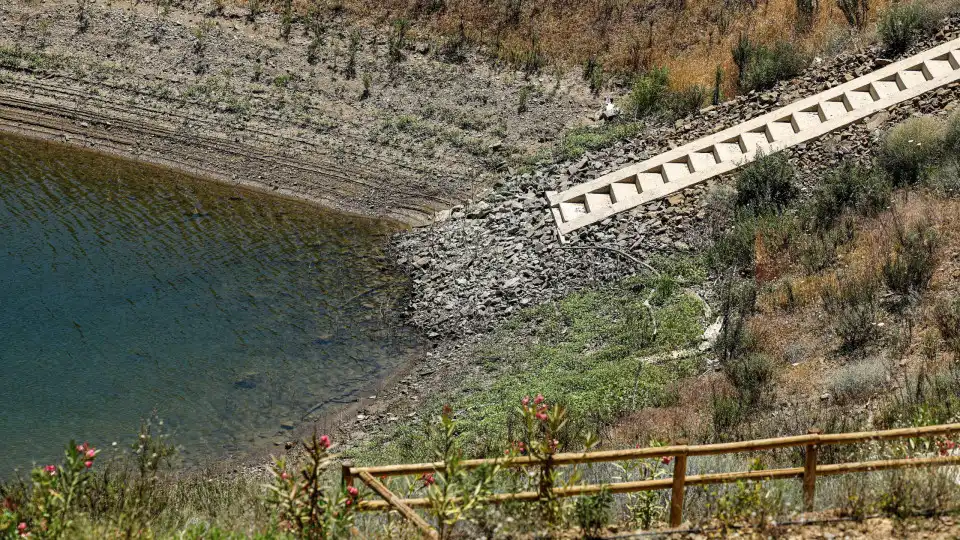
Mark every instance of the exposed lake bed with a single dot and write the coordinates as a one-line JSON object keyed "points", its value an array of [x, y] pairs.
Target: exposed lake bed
{"points": [[129, 290]]}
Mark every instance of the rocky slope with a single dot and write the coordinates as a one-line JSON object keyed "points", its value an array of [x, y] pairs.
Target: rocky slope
{"points": [[503, 253]]}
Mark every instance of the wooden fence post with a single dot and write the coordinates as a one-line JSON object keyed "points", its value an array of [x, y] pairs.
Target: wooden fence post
{"points": [[810, 473], [346, 477], [679, 479]]}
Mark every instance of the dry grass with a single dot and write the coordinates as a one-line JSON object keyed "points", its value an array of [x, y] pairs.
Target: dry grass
{"points": [[689, 37], [687, 419]]}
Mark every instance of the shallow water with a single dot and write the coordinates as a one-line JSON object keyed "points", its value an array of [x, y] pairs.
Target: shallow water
{"points": [[127, 289]]}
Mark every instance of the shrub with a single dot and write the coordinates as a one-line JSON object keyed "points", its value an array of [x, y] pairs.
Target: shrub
{"points": [[303, 503], [767, 184], [850, 187], [761, 67], [593, 513], [720, 206], [83, 15], [648, 91], [286, 20], [397, 40], [748, 502], [740, 248], [593, 75], [855, 11], [852, 305], [751, 375], [806, 13], [946, 314], [858, 380], [903, 24], [910, 148], [910, 266], [737, 302], [726, 414], [951, 135], [818, 251], [254, 7], [686, 101]]}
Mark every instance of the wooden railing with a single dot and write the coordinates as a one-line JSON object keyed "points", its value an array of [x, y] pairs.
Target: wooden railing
{"points": [[677, 483]]}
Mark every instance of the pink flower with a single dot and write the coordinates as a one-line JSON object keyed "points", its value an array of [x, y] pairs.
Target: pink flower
{"points": [[91, 453], [325, 441], [22, 526], [349, 502], [353, 491], [539, 399], [284, 475], [52, 469], [525, 401], [428, 479], [88, 464], [666, 460], [541, 416], [80, 448]]}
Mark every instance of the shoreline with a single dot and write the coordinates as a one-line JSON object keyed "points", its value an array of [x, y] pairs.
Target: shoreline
{"points": [[102, 137], [196, 175]]}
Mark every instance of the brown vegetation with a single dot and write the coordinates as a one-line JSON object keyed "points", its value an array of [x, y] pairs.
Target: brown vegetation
{"points": [[689, 37]]}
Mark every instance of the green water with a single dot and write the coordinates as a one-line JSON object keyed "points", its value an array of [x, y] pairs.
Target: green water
{"points": [[127, 289]]}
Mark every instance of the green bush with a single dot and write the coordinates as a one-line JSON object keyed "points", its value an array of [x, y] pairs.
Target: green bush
{"points": [[726, 414], [910, 148], [761, 67], [902, 25], [951, 135], [851, 187], [909, 268], [651, 93], [686, 101], [736, 247], [649, 89], [593, 513], [738, 298], [946, 314], [858, 380], [751, 375], [852, 306], [855, 11], [818, 250], [766, 185]]}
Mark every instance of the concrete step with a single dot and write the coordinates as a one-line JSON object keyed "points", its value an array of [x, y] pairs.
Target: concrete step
{"points": [[731, 148]]}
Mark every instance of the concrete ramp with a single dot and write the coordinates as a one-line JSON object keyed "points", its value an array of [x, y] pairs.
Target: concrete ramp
{"points": [[729, 149]]}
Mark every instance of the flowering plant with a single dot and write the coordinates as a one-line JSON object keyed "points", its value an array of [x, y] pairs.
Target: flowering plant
{"points": [[544, 427], [56, 490], [303, 504], [453, 492]]}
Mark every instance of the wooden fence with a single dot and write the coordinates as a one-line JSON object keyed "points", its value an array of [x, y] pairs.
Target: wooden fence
{"points": [[679, 453]]}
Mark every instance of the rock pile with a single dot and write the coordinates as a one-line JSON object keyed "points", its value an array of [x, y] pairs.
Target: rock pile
{"points": [[501, 254]]}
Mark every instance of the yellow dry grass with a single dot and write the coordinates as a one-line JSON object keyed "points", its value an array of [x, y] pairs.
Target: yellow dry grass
{"points": [[689, 37]]}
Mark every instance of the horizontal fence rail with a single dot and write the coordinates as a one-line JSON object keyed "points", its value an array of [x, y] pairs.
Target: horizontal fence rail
{"points": [[716, 154], [810, 470]]}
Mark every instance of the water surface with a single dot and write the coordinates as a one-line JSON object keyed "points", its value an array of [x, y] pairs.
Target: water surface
{"points": [[127, 289]]}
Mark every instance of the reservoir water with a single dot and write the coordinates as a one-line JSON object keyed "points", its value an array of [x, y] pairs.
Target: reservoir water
{"points": [[127, 289]]}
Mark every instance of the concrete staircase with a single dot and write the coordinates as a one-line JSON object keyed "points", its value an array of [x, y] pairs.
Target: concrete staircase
{"points": [[722, 152]]}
